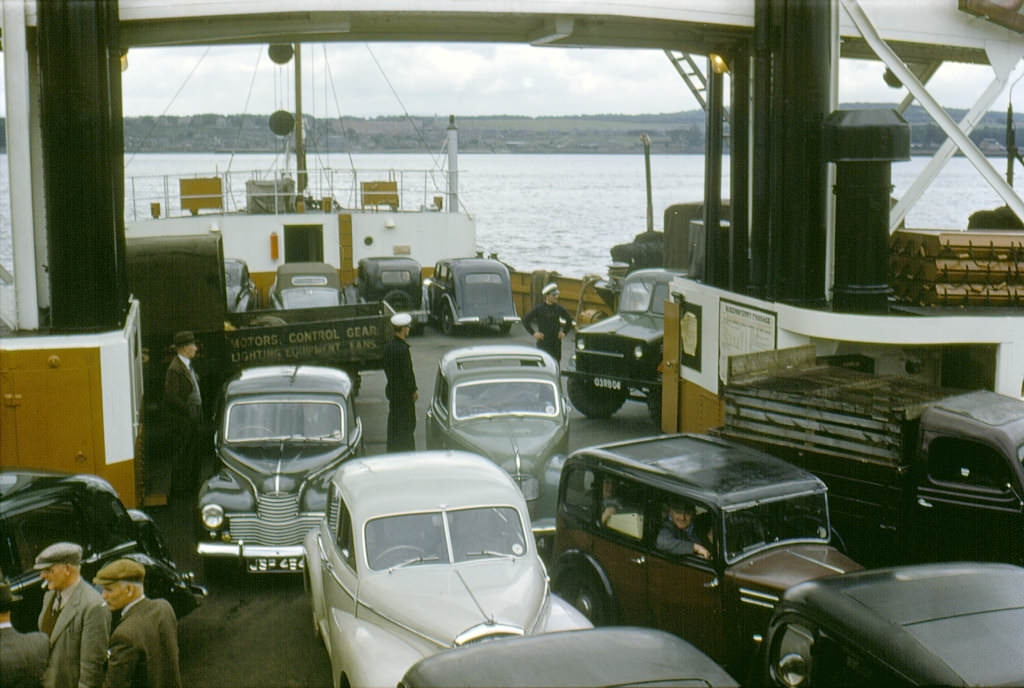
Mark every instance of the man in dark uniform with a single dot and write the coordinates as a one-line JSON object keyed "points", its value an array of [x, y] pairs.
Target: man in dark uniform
{"points": [[144, 644], [548, 323], [184, 407], [401, 388], [22, 655]]}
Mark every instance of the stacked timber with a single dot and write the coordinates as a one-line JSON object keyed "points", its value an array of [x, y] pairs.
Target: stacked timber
{"points": [[950, 268]]}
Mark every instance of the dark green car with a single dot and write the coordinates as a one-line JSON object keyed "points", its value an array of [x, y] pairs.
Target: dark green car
{"points": [[505, 403]]}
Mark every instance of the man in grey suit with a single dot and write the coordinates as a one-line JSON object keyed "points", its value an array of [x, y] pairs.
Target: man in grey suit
{"points": [[22, 655], [75, 618], [144, 644]]}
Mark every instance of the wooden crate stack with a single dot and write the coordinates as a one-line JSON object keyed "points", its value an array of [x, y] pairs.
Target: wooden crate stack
{"points": [[951, 268]]}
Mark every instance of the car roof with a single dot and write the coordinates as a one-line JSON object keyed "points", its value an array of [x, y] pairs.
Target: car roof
{"points": [[723, 473], [488, 361], [949, 623], [463, 265], [423, 481], [571, 659], [18, 481], [293, 379], [387, 261], [287, 271]]}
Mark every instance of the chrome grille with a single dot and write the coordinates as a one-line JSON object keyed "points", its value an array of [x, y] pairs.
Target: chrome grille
{"points": [[277, 522]]}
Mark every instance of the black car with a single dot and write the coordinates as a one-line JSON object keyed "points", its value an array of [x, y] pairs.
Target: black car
{"points": [[572, 659], [39, 508], [954, 624], [396, 280], [470, 291], [239, 288], [618, 358], [281, 432]]}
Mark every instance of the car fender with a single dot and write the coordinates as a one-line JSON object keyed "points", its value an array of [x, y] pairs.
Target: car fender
{"points": [[314, 578], [450, 302], [562, 616], [574, 559], [369, 654]]}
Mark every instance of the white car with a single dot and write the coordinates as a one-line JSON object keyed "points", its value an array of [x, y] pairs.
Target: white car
{"points": [[420, 552]]}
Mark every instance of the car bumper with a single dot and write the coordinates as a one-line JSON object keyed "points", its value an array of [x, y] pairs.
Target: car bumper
{"points": [[258, 558]]}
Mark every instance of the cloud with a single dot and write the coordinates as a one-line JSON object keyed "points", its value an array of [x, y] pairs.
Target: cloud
{"points": [[356, 79]]}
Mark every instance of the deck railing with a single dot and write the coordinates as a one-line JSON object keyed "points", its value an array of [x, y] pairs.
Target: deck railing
{"points": [[272, 192]]}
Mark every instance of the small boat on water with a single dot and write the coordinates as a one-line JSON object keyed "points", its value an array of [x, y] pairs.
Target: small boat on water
{"points": [[72, 366]]}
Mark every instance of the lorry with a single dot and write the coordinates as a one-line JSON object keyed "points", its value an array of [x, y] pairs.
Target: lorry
{"points": [[180, 285], [915, 472]]}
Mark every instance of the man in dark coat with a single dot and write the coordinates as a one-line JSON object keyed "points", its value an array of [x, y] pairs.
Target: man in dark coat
{"points": [[22, 655], [184, 407], [144, 644], [401, 388], [549, 322]]}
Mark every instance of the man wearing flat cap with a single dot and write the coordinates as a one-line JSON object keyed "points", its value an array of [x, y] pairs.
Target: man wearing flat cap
{"points": [[549, 322], [22, 655], [184, 407], [74, 617], [144, 644], [401, 388]]}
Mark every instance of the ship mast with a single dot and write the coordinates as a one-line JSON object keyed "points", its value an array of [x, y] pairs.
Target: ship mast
{"points": [[300, 149]]}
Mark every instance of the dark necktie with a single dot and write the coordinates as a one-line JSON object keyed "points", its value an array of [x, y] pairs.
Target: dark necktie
{"points": [[50, 617]]}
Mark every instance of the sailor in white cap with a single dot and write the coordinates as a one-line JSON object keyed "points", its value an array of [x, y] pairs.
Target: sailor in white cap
{"points": [[75, 618], [401, 388], [549, 322]]}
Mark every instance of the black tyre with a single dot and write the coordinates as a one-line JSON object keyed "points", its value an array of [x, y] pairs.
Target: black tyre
{"points": [[582, 590], [593, 401], [447, 321], [398, 300]]}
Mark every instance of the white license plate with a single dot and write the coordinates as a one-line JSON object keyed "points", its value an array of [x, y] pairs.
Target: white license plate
{"points": [[275, 564], [605, 383]]}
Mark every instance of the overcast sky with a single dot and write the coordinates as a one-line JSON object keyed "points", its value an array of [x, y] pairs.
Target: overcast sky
{"points": [[366, 80]]}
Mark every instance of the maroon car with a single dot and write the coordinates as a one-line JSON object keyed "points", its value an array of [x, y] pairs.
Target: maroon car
{"points": [[689, 534]]}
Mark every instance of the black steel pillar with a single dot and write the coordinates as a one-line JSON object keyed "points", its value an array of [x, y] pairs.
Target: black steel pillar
{"points": [[739, 176], [759, 161], [800, 45], [716, 253], [83, 163]]}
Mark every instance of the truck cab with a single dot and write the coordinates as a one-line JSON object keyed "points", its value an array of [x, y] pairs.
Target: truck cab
{"points": [[618, 358]]}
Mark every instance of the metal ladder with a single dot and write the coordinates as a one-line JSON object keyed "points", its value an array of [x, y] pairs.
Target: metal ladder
{"points": [[694, 78]]}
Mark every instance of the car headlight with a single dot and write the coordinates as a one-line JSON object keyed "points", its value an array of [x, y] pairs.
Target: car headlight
{"points": [[791, 670], [580, 345], [638, 352], [212, 516]]}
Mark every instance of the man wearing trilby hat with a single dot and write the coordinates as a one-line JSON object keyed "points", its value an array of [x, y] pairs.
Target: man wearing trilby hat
{"points": [[74, 617], [184, 407], [401, 388], [549, 322], [22, 655]]}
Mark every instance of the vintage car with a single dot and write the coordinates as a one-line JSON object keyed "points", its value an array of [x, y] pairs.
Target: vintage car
{"points": [[281, 430], [420, 552], [619, 358], [955, 624], [396, 280], [762, 523], [240, 290], [39, 508], [505, 403], [613, 656], [306, 285], [470, 291]]}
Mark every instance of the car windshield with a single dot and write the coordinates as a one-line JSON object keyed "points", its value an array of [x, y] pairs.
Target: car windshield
{"points": [[505, 397], [249, 421], [442, 537], [309, 297], [641, 296], [802, 518]]}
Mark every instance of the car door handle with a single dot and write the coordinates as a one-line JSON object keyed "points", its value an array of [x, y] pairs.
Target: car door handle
{"points": [[639, 561], [921, 501], [711, 584]]}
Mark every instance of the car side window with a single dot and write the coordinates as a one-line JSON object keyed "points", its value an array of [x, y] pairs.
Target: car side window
{"points": [[967, 464], [685, 527], [344, 539], [578, 492], [441, 391], [32, 531], [112, 526], [622, 507]]}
